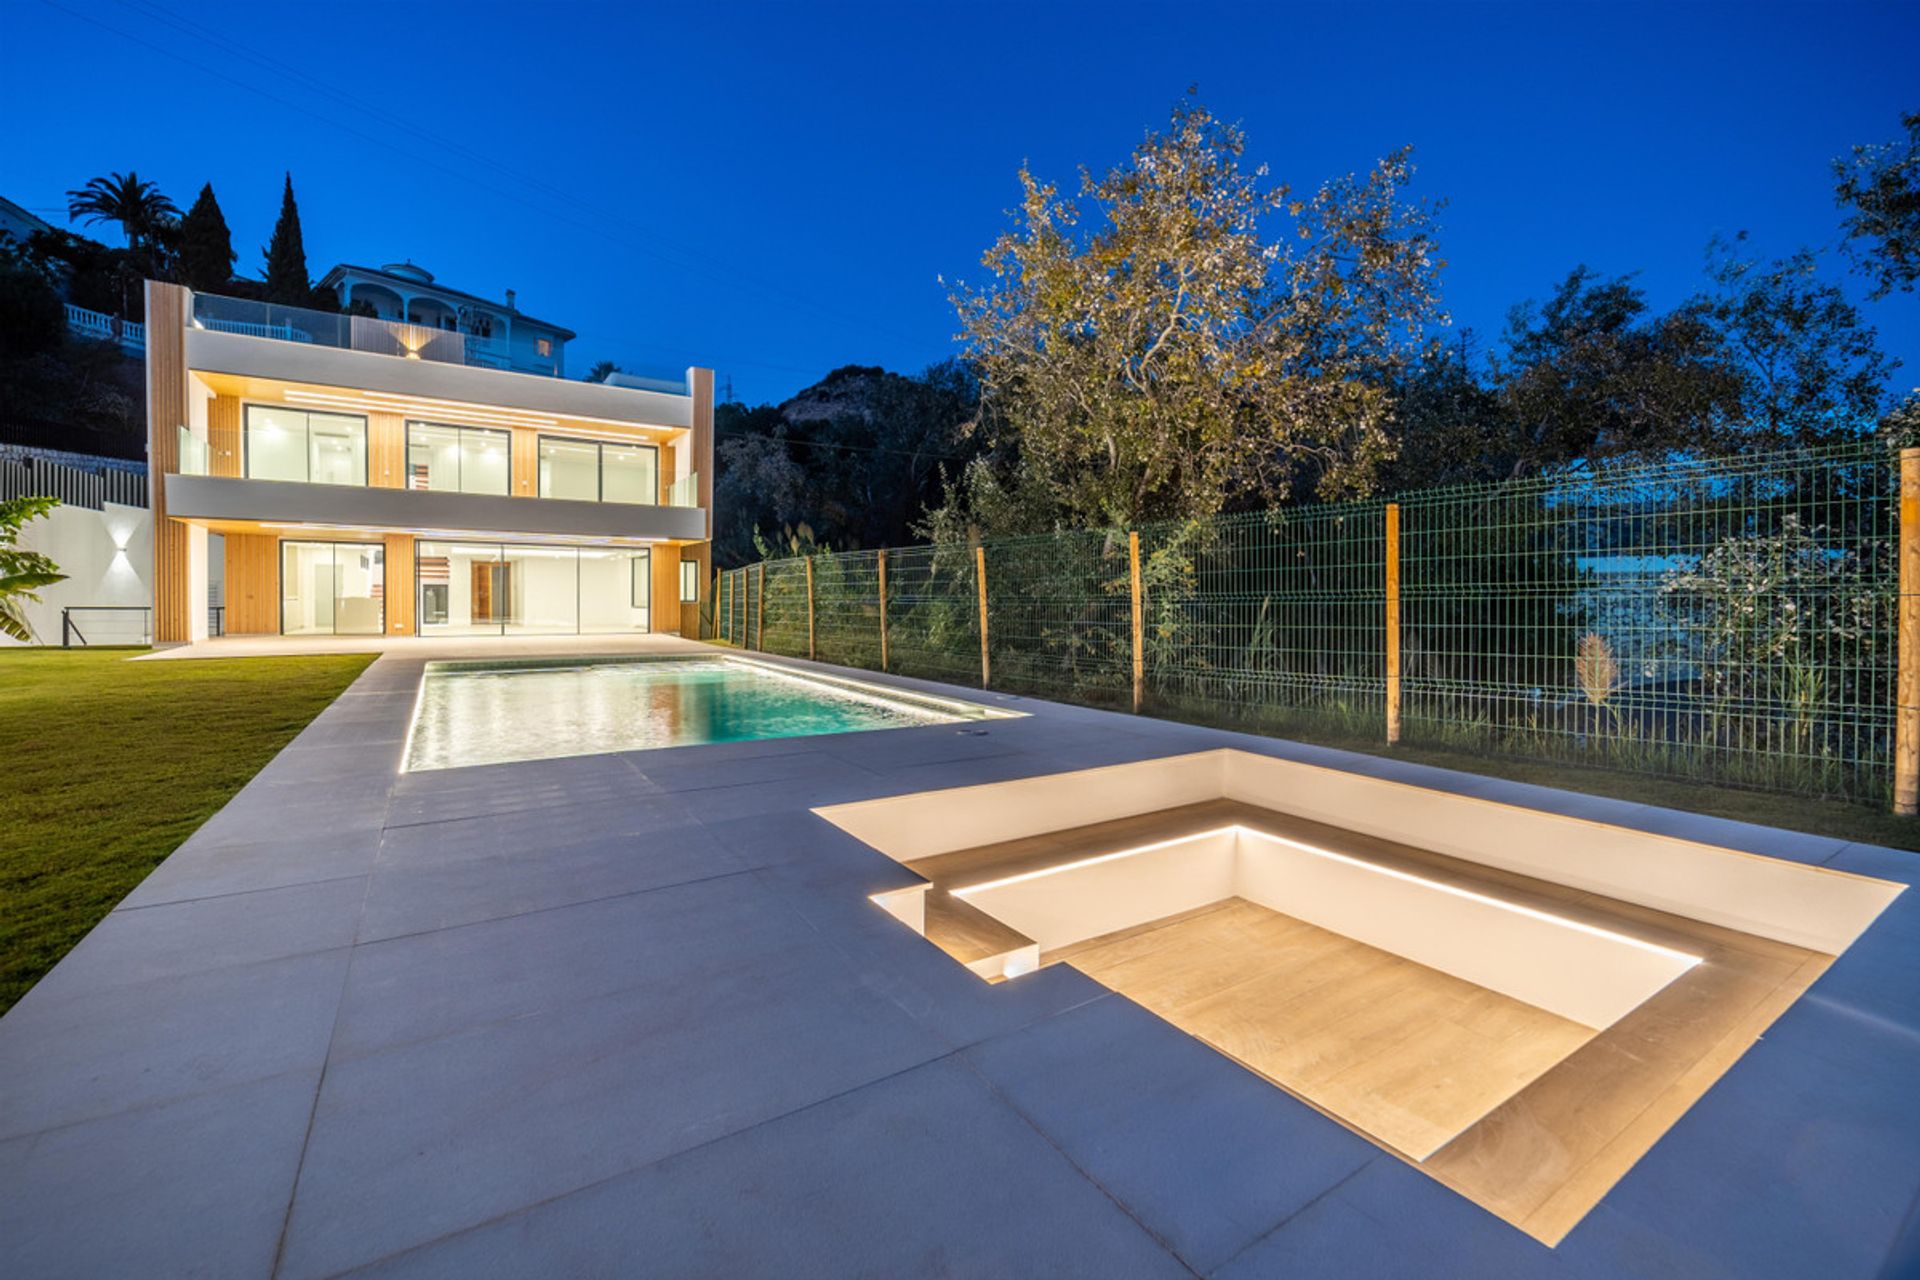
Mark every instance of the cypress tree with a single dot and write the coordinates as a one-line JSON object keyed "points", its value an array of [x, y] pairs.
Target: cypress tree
{"points": [[287, 280], [206, 246]]}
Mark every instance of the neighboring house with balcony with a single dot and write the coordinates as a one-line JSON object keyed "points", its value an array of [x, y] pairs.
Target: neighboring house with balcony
{"points": [[357, 476], [497, 335]]}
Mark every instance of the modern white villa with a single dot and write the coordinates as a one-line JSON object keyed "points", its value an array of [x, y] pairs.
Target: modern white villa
{"points": [[363, 476]]}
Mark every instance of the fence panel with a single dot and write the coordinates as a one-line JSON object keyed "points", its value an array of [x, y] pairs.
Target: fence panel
{"points": [[933, 620], [846, 608], [1059, 612], [1271, 620], [1729, 620]]}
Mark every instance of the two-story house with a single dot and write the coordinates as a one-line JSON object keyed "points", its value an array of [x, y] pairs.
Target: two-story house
{"points": [[495, 335], [359, 476]]}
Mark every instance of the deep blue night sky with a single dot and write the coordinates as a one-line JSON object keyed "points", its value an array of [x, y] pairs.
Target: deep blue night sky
{"points": [[776, 190]]}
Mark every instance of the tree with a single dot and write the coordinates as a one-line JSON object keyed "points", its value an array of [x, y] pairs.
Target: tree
{"points": [[1144, 350], [1588, 374], [1879, 187], [602, 370], [22, 573], [286, 254], [206, 246], [138, 206], [32, 319], [1806, 366]]}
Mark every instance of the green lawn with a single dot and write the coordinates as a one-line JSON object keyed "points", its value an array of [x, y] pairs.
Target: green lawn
{"points": [[110, 764]]}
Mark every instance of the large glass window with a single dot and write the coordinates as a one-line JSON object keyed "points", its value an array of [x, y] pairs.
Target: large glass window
{"points": [[468, 588], [629, 473], [593, 471], [569, 469], [333, 588], [312, 448], [449, 459]]}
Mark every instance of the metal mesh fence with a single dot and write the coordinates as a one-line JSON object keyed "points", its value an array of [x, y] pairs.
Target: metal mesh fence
{"points": [[1727, 620]]}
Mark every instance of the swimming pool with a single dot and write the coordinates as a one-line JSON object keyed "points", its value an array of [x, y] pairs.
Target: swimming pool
{"points": [[473, 713]]}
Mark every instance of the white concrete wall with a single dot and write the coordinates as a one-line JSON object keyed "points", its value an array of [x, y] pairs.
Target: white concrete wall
{"points": [[107, 557]]}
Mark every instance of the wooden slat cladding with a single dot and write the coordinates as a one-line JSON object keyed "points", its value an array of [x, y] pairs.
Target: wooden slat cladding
{"points": [[386, 451], [400, 592], [526, 462], [225, 453], [663, 613], [253, 584], [166, 413]]}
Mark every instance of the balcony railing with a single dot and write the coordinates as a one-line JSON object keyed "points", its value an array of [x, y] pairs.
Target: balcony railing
{"points": [[684, 492], [193, 454], [130, 334]]}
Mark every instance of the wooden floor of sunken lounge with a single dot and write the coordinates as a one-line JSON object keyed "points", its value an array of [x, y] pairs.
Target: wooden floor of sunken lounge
{"points": [[1529, 1114]]}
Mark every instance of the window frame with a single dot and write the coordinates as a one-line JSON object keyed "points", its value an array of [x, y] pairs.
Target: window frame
{"points": [[599, 466], [459, 455], [246, 443], [689, 578]]}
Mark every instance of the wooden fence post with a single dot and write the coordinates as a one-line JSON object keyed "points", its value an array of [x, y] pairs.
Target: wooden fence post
{"points": [[1392, 621], [883, 609], [980, 576], [1139, 623], [810, 608], [739, 591], [760, 613], [1906, 711]]}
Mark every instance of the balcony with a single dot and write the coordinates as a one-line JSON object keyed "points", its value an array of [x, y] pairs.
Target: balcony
{"points": [[306, 326], [282, 505]]}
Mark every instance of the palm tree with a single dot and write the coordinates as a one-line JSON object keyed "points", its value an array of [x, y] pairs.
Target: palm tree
{"points": [[22, 572], [138, 206]]}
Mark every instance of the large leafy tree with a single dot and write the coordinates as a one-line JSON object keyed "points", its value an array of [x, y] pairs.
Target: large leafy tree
{"points": [[286, 254], [1879, 188], [1157, 347], [1807, 366], [1590, 373], [22, 573], [206, 246]]}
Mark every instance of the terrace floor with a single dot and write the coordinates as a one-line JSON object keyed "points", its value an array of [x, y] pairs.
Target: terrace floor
{"points": [[635, 1013]]}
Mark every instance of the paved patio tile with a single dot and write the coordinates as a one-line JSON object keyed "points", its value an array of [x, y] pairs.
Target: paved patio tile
{"points": [[1209, 1156], [1389, 1221], [924, 1174], [205, 867], [72, 1057], [420, 1141], [197, 1187], [412, 894], [896, 963], [525, 830], [433, 984], [1801, 1161], [141, 944]]}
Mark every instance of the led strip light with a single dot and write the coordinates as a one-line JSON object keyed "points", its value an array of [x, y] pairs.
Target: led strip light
{"points": [[1238, 830]]}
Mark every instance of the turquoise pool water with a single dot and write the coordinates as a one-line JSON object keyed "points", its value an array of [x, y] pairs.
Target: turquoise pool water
{"points": [[495, 713]]}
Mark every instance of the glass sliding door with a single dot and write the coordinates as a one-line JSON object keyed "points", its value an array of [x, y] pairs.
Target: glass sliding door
{"points": [[630, 473], [445, 459], [303, 446], [569, 469], [333, 588], [596, 471], [545, 590], [463, 588], [616, 584], [484, 588]]}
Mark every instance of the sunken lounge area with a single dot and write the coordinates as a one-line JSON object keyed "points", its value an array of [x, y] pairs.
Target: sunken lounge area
{"points": [[1518, 1004]]}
